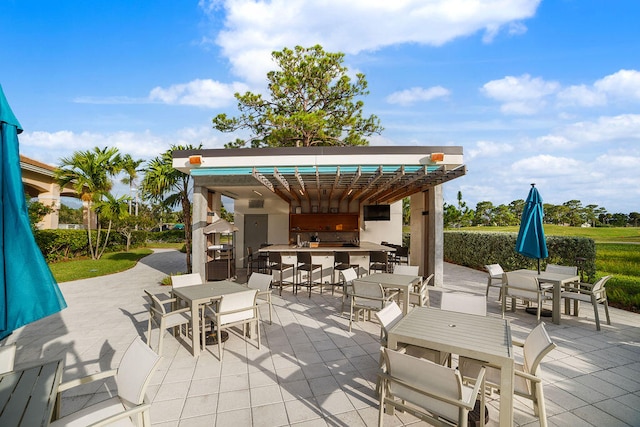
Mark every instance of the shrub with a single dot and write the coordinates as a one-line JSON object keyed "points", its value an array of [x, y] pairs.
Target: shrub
{"points": [[57, 245], [476, 249]]}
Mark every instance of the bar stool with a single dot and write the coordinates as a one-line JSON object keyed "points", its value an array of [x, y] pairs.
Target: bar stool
{"points": [[254, 262], [305, 263], [341, 262], [275, 264], [378, 261]]}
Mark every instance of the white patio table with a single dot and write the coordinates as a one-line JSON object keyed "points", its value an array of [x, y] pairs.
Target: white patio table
{"points": [[557, 280], [394, 281], [477, 337], [27, 396], [198, 295]]}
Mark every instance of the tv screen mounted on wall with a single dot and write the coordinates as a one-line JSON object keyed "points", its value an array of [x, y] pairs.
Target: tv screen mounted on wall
{"points": [[377, 212]]}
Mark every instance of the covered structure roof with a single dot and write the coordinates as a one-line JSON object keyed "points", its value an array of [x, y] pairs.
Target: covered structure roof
{"points": [[372, 175]]}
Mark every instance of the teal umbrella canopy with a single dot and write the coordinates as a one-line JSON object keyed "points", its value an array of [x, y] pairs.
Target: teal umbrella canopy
{"points": [[28, 290], [531, 241]]}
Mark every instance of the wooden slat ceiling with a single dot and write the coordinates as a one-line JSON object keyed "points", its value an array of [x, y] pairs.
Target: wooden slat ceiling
{"points": [[369, 185]]}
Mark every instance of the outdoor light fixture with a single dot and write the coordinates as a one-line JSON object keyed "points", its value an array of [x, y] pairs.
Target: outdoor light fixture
{"points": [[437, 157], [195, 160], [258, 193]]}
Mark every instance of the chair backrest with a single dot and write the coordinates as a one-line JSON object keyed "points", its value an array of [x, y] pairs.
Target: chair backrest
{"points": [[304, 257], [363, 292], [238, 301], [259, 281], [349, 274], [562, 269], [388, 317], [402, 251], [7, 358], [494, 270], [342, 258], [464, 303], [409, 270], [190, 279], [135, 371], [379, 256], [428, 279], [427, 376], [598, 287], [536, 346], [275, 257], [522, 286], [157, 306]]}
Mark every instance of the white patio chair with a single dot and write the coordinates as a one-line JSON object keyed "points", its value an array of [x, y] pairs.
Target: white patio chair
{"points": [[388, 317], [180, 280], [594, 294], [523, 287], [7, 358], [368, 297], [527, 380], [420, 297], [464, 303], [165, 318], [262, 283], [128, 406], [427, 390], [494, 278], [236, 309], [409, 270], [347, 277]]}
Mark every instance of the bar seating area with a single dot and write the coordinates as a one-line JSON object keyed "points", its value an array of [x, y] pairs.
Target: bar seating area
{"points": [[309, 369]]}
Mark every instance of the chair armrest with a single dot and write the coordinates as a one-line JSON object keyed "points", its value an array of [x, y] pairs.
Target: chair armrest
{"points": [[181, 310], [391, 295], [517, 343], [85, 380], [528, 376], [578, 288], [129, 412]]}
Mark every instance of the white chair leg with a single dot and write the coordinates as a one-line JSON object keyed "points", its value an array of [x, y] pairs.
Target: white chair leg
{"points": [[595, 311]]}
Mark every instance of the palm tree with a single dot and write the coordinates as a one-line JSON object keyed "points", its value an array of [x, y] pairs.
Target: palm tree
{"points": [[111, 209], [170, 186], [130, 168], [90, 173]]}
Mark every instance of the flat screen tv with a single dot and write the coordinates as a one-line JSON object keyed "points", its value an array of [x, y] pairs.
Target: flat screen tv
{"points": [[377, 212]]}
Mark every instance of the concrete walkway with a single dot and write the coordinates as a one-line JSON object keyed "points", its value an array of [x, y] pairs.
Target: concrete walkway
{"points": [[310, 370]]}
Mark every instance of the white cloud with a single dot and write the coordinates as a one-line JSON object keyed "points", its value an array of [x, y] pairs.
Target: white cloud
{"points": [[50, 147], [545, 165], [417, 94], [581, 95], [253, 28], [625, 84], [605, 129], [488, 149], [520, 95], [201, 93]]}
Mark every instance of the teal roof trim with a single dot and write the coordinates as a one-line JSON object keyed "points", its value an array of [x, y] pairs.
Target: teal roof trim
{"points": [[289, 170]]}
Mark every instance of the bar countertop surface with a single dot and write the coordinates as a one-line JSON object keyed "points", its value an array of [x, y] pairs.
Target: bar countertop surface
{"points": [[329, 247]]}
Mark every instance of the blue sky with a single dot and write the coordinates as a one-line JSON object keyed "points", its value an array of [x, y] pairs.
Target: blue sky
{"points": [[535, 91]]}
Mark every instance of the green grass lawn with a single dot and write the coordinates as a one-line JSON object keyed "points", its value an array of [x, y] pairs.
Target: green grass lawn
{"points": [[109, 263]]}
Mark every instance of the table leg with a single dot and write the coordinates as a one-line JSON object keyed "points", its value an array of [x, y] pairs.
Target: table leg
{"points": [[555, 313], [195, 329], [405, 305], [506, 393]]}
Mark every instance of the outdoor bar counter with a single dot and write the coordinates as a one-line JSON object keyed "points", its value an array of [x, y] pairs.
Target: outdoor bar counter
{"points": [[324, 254]]}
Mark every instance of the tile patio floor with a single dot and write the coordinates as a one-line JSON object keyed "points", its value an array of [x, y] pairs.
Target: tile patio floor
{"points": [[310, 370]]}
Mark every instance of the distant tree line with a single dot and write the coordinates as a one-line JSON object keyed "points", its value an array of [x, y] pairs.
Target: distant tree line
{"points": [[570, 213]]}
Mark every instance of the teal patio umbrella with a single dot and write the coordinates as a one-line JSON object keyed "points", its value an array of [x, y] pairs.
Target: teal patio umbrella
{"points": [[28, 290], [531, 241]]}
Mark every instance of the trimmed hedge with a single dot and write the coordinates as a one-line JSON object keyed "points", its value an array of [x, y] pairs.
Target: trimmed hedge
{"points": [[478, 249], [58, 245]]}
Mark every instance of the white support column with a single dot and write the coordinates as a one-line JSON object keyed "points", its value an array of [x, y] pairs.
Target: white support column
{"points": [[436, 240], [199, 221]]}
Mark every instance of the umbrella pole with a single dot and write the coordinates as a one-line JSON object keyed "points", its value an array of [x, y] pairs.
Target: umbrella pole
{"points": [[538, 265]]}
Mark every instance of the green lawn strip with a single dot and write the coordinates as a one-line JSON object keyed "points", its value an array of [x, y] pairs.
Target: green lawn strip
{"points": [[623, 262], [109, 263]]}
